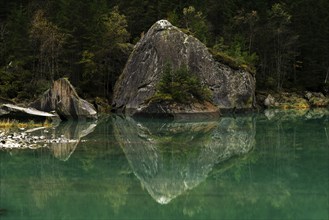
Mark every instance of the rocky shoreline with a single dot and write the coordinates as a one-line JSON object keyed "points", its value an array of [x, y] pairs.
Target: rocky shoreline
{"points": [[60, 101], [230, 89], [291, 100], [61, 139], [26, 140]]}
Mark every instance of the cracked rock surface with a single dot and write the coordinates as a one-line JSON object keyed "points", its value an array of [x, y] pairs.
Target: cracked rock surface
{"points": [[165, 43]]}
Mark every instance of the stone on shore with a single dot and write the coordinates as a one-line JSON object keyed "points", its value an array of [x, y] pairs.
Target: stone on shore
{"points": [[64, 100]]}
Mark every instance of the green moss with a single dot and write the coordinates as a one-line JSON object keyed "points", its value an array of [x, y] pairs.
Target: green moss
{"points": [[186, 31], [160, 97], [232, 62], [250, 101]]}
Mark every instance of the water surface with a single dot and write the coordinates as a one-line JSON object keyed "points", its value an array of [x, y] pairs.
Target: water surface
{"points": [[273, 166]]}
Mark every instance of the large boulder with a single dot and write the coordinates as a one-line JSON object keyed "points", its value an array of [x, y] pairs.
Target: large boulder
{"points": [[63, 99], [164, 43]]}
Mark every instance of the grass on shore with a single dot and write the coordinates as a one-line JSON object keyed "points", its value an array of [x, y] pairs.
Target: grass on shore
{"points": [[7, 124]]}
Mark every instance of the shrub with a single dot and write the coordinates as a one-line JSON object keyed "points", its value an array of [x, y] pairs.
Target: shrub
{"points": [[234, 55], [181, 86]]}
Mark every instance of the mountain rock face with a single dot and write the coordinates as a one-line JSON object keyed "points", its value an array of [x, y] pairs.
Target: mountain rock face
{"points": [[63, 99], [165, 43]]}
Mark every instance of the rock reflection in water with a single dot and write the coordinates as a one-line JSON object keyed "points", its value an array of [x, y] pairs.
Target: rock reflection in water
{"points": [[62, 139], [70, 134], [170, 158], [296, 114]]}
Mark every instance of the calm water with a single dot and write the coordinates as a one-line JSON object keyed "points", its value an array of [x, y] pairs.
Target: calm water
{"points": [[243, 167]]}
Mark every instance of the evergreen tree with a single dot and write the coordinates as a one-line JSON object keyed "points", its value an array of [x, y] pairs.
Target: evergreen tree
{"points": [[311, 21], [87, 40], [284, 41], [49, 40]]}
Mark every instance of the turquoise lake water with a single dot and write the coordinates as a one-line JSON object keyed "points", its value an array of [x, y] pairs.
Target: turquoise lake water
{"points": [[257, 166]]}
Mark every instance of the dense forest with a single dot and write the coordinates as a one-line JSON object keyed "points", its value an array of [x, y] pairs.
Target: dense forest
{"points": [[89, 41]]}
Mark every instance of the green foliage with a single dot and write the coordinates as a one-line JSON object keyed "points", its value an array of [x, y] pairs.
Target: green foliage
{"points": [[234, 56], [279, 14], [15, 35], [16, 82], [237, 51], [284, 41], [88, 41], [181, 86], [193, 21], [49, 40], [11, 80], [115, 28], [310, 21], [248, 22], [196, 23], [103, 62]]}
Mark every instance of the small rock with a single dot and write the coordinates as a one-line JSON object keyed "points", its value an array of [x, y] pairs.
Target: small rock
{"points": [[270, 101]]}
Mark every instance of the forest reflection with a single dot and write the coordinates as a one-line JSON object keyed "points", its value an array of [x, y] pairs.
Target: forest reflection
{"points": [[276, 160]]}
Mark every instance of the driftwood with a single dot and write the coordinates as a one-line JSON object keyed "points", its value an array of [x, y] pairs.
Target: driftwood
{"points": [[16, 112]]}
